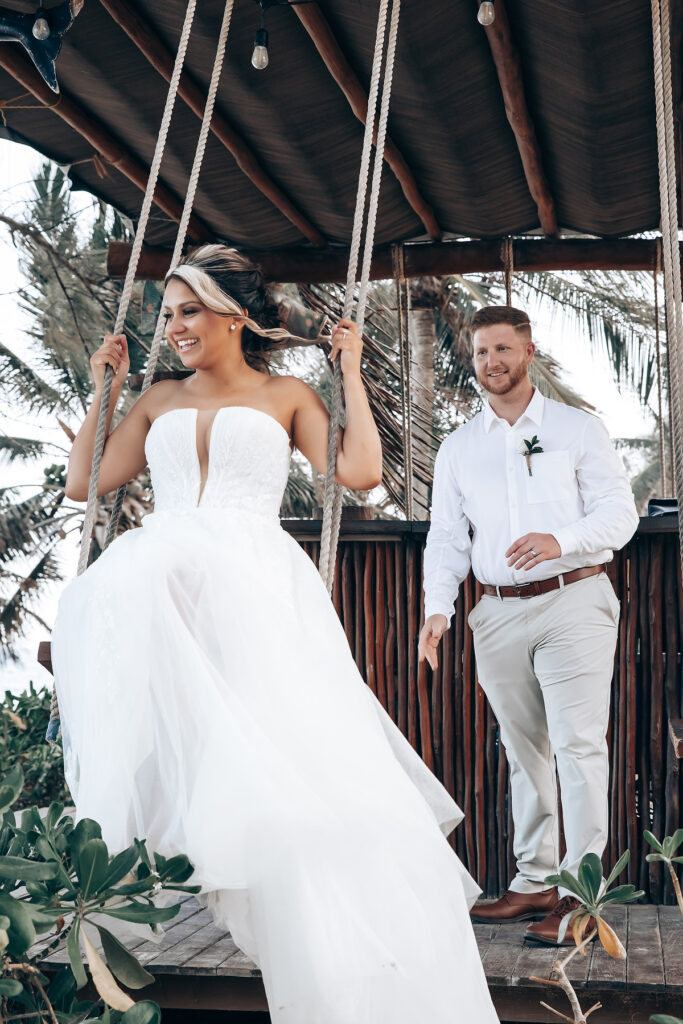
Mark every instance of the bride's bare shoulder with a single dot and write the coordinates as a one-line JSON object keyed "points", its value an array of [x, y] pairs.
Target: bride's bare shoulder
{"points": [[160, 398], [292, 391]]}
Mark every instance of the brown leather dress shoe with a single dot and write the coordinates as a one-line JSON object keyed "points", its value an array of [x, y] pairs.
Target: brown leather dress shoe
{"points": [[546, 931], [515, 906]]}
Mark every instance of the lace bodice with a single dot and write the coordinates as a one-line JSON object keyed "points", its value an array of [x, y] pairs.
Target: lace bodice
{"points": [[248, 461]]}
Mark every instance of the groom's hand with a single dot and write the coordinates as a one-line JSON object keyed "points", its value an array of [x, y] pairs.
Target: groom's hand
{"points": [[531, 549], [430, 635]]}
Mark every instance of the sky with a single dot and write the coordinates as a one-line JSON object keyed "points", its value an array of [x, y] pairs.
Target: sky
{"points": [[588, 375]]}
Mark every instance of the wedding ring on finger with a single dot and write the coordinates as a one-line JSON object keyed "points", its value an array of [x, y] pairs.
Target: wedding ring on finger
{"points": [[533, 553]]}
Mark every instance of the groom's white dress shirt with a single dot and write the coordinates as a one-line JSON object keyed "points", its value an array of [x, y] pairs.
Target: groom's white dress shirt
{"points": [[578, 491]]}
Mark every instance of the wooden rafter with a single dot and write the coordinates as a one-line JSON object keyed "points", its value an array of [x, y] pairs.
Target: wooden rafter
{"points": [[427, 259], [317, 26], [509, 71], [139, 30], [94, 132]]}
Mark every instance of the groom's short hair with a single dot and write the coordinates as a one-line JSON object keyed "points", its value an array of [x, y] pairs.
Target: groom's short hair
{"points": [[490, 316]]}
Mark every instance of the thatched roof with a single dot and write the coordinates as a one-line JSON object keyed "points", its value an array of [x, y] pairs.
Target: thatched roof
{"points": [[586, 70]]}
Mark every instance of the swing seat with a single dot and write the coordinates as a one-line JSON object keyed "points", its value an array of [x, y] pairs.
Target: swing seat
{"points": [[45, 655]]}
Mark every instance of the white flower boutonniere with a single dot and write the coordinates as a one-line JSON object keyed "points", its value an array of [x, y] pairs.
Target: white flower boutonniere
{"points": [[529, 448]]}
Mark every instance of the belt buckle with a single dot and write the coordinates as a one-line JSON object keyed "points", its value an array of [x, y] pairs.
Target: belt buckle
{"points": [[528, 587]]}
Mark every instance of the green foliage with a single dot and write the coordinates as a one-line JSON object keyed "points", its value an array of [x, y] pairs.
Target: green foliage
{"points": [[666, 850], [595, 893], [22, 731], [665, 1018], [55, 876]]}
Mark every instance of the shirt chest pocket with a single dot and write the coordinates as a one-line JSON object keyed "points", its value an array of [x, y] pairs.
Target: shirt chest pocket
{"points": [[552, 477]]}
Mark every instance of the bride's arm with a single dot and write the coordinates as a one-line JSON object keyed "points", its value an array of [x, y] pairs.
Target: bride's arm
{"points": [[124, 449], [359, 456]]}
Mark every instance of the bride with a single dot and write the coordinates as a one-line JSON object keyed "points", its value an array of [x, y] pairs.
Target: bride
{"points": [[209, 699]]}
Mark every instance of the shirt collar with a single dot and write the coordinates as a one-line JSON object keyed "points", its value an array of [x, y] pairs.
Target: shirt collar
{"points": [[533, 412]]}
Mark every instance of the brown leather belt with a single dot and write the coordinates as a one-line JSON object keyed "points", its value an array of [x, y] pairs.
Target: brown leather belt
{"points": [[543, 586]]}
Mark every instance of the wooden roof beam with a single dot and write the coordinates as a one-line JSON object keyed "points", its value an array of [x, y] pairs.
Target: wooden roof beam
{"points": [[143, 35], [509, 71], [315, 23], [94, 132], [422, 259]]}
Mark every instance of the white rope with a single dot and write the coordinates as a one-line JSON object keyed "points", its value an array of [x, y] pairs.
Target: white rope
{"points": [[182, 230], [333, 492], [670, 246], [132, 266], [91, 506]]}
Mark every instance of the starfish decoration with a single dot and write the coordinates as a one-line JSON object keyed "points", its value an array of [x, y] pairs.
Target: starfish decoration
{"points": [[17, 27]]}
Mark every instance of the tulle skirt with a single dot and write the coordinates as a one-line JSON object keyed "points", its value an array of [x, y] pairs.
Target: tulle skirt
{"points": [[210, 704]]}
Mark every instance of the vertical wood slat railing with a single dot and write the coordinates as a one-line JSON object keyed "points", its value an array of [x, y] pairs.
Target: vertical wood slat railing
{"points": [[445, 715]]}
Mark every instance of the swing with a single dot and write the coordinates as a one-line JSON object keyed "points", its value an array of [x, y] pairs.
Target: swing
{"points": [[333, 491]]}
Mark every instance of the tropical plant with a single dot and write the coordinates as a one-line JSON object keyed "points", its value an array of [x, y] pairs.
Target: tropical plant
{"points": [[595, 896], [58, 885], [665, 852], [22, 731], [70, 303]]}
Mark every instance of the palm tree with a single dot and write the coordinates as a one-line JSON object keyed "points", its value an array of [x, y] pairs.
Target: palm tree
{"points": [[71, 304]]}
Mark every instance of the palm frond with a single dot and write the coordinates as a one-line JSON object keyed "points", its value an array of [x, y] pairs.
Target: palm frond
{"points": [[28, 523], [16, 609], [544, 373], [24, 384], [24, 448]]}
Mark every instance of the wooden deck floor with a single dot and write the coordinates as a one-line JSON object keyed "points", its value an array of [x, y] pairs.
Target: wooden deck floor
{"points": [[197, 966]]}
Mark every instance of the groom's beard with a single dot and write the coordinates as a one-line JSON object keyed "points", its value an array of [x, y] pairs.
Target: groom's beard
{"points": [[504, 384]]}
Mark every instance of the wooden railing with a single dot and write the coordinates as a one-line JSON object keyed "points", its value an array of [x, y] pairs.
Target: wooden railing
{"points": [[445, 715]]}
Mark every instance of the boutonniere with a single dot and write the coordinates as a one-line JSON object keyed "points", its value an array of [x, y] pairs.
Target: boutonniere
{"points": [[529, 448]]}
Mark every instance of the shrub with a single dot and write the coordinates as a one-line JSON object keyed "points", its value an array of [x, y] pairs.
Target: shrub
{"points": [[23, 720]]}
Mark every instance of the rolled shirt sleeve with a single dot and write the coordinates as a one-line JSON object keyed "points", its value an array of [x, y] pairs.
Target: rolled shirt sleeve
{"points": [[610, 518], [447, 556]]}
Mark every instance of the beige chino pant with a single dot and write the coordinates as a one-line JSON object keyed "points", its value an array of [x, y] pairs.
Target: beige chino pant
{"points": [[545, 664]]}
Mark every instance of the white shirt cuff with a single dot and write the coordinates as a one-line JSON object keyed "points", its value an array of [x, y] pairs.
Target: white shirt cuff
{"points": [[566, 538], [435, 606]]}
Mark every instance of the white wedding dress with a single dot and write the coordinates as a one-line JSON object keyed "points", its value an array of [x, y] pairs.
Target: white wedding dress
{"points": [[210, 703]]}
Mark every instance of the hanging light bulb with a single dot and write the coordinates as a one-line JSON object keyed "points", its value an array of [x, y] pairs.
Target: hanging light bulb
{"points": [[486, 14], [41, 27], [259, 57]]}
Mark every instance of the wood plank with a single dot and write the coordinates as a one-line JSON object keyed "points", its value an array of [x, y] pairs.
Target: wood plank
{"points": [[579, 968], [605, 972], [174, 937], [671, 931], [304, 265], [484, 934], [502, 955], [644, 964], [174, 959], [238, 965], [208, 959], [535, 960]]}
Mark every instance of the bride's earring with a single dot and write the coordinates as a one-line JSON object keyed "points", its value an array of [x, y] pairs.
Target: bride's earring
{"points": [[233, 327]]}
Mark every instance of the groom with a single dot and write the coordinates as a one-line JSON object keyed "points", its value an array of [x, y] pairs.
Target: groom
{"points": [[532, 495]]}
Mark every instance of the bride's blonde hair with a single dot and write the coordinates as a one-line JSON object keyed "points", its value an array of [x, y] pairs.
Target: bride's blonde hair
{"points": [[228, 283]]}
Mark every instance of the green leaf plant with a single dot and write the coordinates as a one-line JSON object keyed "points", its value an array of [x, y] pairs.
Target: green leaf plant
{"points": [[666, 853], [58, 885], [594, 894]]}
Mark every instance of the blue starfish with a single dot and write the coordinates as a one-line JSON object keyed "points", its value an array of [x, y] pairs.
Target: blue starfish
{"points": [[17, 27]]}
